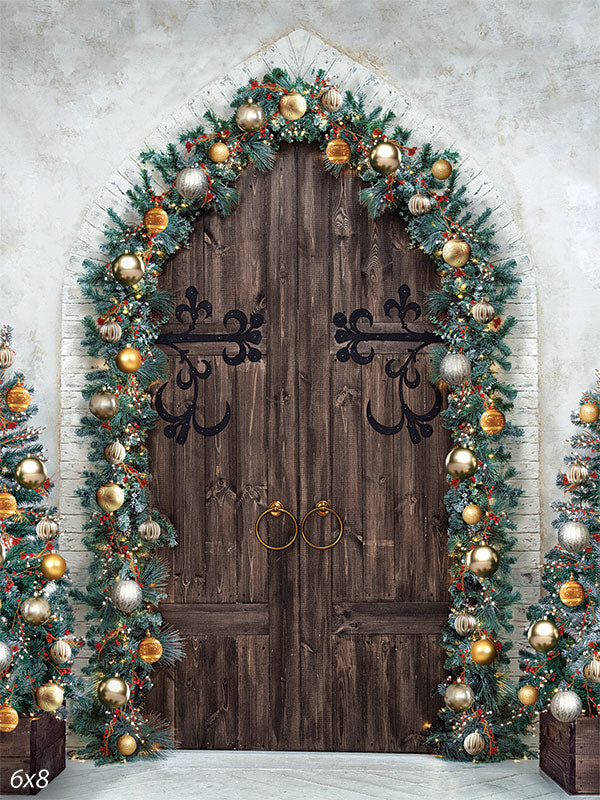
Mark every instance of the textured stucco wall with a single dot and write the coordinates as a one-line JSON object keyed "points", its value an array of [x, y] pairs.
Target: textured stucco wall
{"points": [[83, 82]]}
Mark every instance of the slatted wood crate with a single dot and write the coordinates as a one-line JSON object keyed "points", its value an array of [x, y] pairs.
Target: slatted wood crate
{"points": [[570, 753], [32, 755]]}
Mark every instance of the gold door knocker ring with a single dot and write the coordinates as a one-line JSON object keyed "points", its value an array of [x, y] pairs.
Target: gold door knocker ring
{"points": [[276, 509], [322, 509]]}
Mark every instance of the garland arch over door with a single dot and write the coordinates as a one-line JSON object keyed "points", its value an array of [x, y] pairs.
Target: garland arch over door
{"points": [[302, 648]]}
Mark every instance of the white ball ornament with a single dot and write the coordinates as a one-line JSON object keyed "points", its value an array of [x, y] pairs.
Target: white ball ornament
{"points": [[126, 595], [331, 99], [573, 536], [191, 182], [60, 652], [115, 453], [455, 368], [565, 706], [5, 657], [474, 744]]}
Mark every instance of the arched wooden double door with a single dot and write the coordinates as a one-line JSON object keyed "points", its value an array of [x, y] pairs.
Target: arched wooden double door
{"points": [[301, 648]]}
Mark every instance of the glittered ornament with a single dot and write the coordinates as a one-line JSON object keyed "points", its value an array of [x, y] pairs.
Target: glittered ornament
{"points": [[591, 671], [192, 182], [9, 718], [461, 462], [150, 649], [53, 566], [331, 100], [60, 652], [565, 706], [455, 368], [128, 360], [35, 610], [472, 514], [113, 692], [464, 624], [30, 473], [338, 151], [459, 696], [5, 657], [573, 536], [17, 398], [571, 593], [110, 497], [49, 696], [156, 220], [385, 157], [483, 652], [292, 106], [456, 252], [104, 404], [110, 332], [7, 357], [218, 152], [149, 530], [419, 204], [543, 635], [492, 421], [589, 412], [528, 695], [483, 311], [577, 474], [250, 117], [128, 269], [8, 503], [483, 560], [114, 453], [126, 745], [47, 529], [126, 595], [474, 744], [441, 169]]}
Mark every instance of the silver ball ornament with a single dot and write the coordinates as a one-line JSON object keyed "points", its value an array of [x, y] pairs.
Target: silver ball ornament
{"points": [[455, 368], [5, 657], [126, 595], [573, 536], [191, 182], [565, 706]]}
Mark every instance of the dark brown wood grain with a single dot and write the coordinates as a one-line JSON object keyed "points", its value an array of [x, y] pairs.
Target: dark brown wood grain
{"points": [[37, 743], [570, 753], [302, 648]]}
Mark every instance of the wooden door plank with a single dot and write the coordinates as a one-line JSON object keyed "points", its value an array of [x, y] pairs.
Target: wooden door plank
{"points": [[218, 618], [377, 657], [189, 705], [350, 691], [253, 692], [389, 617]]}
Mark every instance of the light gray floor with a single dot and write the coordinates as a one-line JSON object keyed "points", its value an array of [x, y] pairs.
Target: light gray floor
{"points": [[216, 775]]}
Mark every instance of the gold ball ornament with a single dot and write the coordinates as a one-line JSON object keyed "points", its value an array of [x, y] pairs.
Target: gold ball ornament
{"points": [[149, 530], [543, 635], [110, 497], [483, 652], [7, 357], [331, 100], [589, 412], [17, 398], [113, 692], [338, 151], [49, 696], [456, 252], [47, 529], [483, 560], [250, 117], [53, 566], [218, 152], [441, 169], [114, 453], [128, 269], [461, 462], [9, 719], [104, 404], [385, 157], [110, 332], [292, 106], [474, 744], [464, 624], [35, 610], [492, 421], [150, 649], [472, 514], [8, 504], [483, 311], [128, 360], [60, 652], [528, 694], [30, 473], [571, 593], [156, 219], [577, 474], [591, 671], [419, 204], [126, 745], [459, 696]]}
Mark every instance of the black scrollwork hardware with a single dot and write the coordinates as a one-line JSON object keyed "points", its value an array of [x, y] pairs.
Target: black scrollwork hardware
{"points": [[352, 337], [246, 336]]}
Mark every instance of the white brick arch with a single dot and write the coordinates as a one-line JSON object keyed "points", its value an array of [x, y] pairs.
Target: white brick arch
{"points": [[302, 54]]}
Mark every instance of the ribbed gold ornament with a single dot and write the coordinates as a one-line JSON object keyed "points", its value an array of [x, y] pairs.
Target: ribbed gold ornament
{"points": [[483, 311], [571, 593], [8, 503], [9, 718], [149, 530], [474, 744], [419, 204], [47, 529], [577, 474], [492, 421], [7, 356], [591, 671], [110, 331], [331, 99], [150, 649]]}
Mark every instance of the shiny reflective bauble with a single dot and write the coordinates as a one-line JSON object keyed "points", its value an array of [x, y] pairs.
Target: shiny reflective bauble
{"points": [[292, 106], [49, 696], [156, 220], [35, 610], [149, 530], [338, 151], [474, 744], [5, 657], [126, 745], [571, 593], [17, 398], [150, 649], [483, 561], [218, 152], [128, 269], [441, 169], [30, 473], [565, 706], [115, 453], [589, 412], [459, 696], [492, 421], [331, 99], [128, 360], [472, 514], [455, 368], [113, 692], [47, 529], [456, 252], [104, 404], [8, 504], [250, 117], [573, 536], [483, 652], [419, 204], [385, 157], [110, 497], [543, 635], [53, 566], [9, 719], [528, 695], [191, 182], [461, 463]]}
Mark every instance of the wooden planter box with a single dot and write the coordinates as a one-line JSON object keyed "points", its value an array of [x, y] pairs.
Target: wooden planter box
{"points": [[35, 746], [570, 753]]}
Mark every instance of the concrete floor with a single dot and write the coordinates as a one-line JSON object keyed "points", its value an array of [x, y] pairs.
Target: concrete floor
{"points": [[216, 775]]}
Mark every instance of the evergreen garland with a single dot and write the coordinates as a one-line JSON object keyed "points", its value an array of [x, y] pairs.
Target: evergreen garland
{"points": [[118, 550]]}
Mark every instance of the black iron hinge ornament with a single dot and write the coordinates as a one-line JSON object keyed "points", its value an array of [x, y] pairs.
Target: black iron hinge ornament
{"points": [[352, 336], [246, 336]]}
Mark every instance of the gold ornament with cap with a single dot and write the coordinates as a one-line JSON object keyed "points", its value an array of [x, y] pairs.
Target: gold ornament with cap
{"points": [[483, 560], [461, 462], [128, 269], [30, 473], [385, 157], [17, 398], [292, 106], [218, 152], [250, 117], [543, 635]]}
